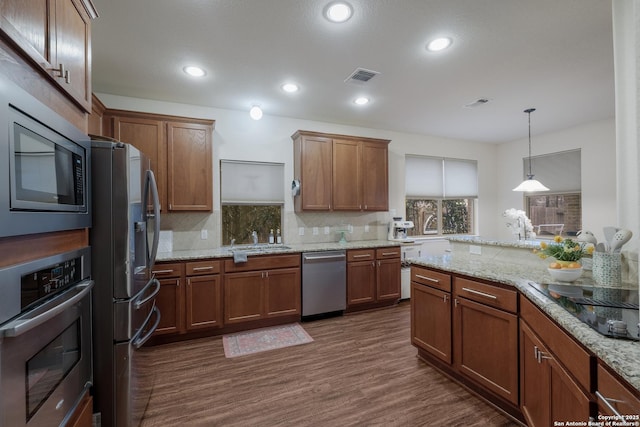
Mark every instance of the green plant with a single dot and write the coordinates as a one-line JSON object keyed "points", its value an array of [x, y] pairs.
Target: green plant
{"points": [[564, 249]]}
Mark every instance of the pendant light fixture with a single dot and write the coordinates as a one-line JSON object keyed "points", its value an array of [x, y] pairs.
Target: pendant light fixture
{"points": [[530, 184]]}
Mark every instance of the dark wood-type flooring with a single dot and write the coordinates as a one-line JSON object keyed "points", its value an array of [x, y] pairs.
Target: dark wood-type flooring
{"points": [[361, 370]]}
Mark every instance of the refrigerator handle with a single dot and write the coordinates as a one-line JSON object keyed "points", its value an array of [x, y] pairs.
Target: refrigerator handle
{"points": [[151, 184]]}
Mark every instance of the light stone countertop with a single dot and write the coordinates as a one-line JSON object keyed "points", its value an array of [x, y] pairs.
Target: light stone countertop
{"points": [[224, 252], [623, 356]]}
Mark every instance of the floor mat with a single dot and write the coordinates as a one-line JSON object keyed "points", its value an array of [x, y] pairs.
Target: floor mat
{"points": [[258, 340]]}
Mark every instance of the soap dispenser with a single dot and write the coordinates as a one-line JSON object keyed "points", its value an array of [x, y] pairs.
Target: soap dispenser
{"points": [[271, 238]]}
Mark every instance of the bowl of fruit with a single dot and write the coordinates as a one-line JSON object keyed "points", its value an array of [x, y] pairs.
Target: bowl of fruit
{"points": [[565, 271]]}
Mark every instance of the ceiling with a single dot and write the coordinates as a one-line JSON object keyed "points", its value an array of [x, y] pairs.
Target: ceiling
{"points": [[553, 55]]}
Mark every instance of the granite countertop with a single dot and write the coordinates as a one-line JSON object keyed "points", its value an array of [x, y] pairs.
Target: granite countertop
{"points": [[621, 355], [224, 252]]}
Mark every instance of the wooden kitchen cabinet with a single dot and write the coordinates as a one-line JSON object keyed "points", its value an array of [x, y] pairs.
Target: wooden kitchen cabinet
{"points": [[56, 36], [550, 390], [373, 276], [203, 295], [340, 172], [170, 299], [180, 150], [431, 327], [614, 396], [264, 287], [485, 336]]}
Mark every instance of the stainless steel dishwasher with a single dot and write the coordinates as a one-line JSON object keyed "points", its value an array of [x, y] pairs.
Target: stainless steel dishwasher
{"points": [[324, 282]]}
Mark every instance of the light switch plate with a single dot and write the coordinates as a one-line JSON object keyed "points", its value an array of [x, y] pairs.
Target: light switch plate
{"points": [[475, 249], [300, 231], [315, 231], [327, 230], [204, 234], [366, 228]]}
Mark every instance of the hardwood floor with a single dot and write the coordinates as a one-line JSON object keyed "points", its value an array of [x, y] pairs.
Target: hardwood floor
{"points": [[361, 370]]}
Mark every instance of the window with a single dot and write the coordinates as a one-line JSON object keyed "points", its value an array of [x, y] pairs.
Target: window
{"points": [[440, 195], [558, 212], [252, 199]]}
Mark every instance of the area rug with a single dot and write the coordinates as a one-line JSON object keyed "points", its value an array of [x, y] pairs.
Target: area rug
{"points": [[250, 342]]}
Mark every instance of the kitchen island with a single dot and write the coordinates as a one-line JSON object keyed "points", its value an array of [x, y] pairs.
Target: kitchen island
{"points": [[513, 266]]}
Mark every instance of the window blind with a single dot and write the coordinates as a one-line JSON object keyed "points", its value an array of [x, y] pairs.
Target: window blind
{"points": [[243, 182], [440, 177], [560, 172]]}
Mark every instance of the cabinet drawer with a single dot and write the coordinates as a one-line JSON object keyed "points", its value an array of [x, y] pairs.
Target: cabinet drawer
{"points": [[623, 400], [361, 255], [203, 267], [494, 296], [267, 262], [162, 271], [431, 278], [393, 252], [568, 352]]}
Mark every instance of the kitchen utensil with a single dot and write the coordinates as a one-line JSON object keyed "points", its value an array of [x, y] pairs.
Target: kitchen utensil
{"points": [[587, 237], [620, 238], [609, 231], [600, 247]]}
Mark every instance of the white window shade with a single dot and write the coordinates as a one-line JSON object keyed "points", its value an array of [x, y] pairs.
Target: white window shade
{"points": [[423, 177], [438, 177], [460, 178], [560, 172], [251, 182]]}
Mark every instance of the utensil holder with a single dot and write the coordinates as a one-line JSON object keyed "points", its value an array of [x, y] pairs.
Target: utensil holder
{"points": [[607, 269]]}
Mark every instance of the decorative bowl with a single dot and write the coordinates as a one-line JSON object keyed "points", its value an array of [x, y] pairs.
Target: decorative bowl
{"points": [[565, 274]]}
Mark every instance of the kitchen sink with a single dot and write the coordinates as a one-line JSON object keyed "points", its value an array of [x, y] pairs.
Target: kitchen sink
{"points": [[259, 248]]}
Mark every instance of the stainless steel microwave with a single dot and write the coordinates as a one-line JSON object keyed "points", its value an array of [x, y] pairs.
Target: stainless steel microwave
{"points": [[47, 162]]}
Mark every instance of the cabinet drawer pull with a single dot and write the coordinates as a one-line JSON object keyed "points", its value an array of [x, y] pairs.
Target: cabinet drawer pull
{"points": [[482, 294], [162, 271], [202, 268], [606, 401], [362, 256], [389, 253], [419, 276]]}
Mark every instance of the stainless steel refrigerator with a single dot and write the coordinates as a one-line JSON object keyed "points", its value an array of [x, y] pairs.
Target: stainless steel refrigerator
{"points": [[124, 241]]}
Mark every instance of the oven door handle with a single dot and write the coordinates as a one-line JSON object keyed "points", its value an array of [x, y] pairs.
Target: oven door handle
{"points": [[138, 341], [24, 324]]}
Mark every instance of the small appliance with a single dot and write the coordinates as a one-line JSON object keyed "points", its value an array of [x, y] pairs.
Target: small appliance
{"points": [[398, 230]]}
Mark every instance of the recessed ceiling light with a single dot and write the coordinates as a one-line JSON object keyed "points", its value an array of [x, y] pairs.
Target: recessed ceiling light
{"points": [[290, 87], [363, 100], [255, 112], [194, 71], [438, 44], [338, 11]]}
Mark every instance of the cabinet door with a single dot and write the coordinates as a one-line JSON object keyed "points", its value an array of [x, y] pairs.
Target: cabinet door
{"points": [[431, 320], [361, 282], [486, 347], [347, 176], [28, 24], [203, 302], [243, 296], [388, 279], [73, 29], [282, 293], [315, 178], [375, 177], [568, 401], [170, 302], [534, 380], [189, 167], [146, 135]]}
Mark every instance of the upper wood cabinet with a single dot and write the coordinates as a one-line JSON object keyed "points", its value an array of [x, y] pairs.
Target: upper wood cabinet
{"points": [[180, 152], [56, 36], [341, 173]]}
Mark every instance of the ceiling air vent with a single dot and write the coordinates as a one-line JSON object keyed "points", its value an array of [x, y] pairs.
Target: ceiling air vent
{"points": [[361, 75]]}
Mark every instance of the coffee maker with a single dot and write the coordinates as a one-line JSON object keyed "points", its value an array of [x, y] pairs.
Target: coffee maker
{"points": [[398, 229]]}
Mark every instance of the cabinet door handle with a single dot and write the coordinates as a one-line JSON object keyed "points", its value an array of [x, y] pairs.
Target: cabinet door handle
{"points": [[445, 297], [606, 401], [178, 283], [389, 253], [203, 268], [362, 256], [67, 76], [542, 355], [455, 302], [60, 70], [378, 263], [482, 294], [161, 271], [419, 276], [535, 352]]}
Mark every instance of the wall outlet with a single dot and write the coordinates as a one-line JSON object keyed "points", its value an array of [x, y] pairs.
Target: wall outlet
{"points": [[366, 228], [350, 228], [204, 234], [327, 230], [300, 231], [315, 231], [475, 249]]}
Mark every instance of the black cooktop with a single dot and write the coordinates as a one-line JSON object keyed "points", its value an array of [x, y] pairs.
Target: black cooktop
{"points": [[610, 311]]}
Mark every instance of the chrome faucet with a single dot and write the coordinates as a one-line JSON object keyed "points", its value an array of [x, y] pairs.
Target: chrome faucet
{"points": [[254, 236]]}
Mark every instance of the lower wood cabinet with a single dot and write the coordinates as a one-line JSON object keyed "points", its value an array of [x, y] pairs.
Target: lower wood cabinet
{"points": [[550, 390], [615, 397], [264, 287], [170, 299], [431, 320], [373, 276]]}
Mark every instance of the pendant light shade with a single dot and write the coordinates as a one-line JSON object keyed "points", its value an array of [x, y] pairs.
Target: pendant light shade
{"points": [[530, 184]]}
